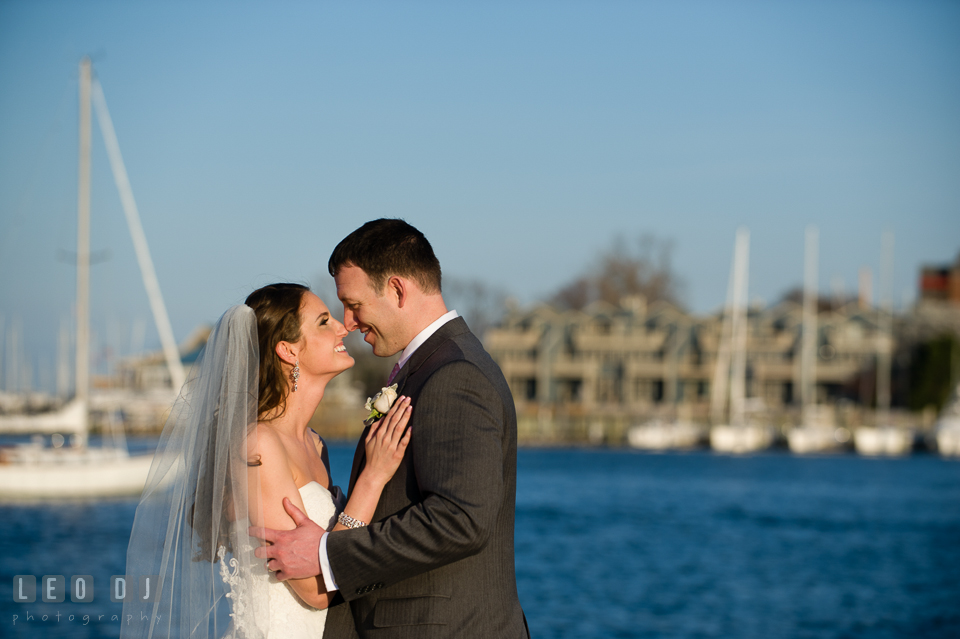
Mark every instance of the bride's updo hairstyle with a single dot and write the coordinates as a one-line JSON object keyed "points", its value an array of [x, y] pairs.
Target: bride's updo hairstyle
{"points": [[277, 307]]}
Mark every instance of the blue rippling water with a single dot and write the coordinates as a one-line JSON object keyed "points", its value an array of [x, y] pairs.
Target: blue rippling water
{"points": [[622, 544]]}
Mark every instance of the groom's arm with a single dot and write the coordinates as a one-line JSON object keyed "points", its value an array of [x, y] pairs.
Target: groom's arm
{"points": [[458, 461], [277, 486]]}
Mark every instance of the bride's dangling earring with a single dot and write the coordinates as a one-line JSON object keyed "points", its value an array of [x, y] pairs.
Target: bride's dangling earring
{"points": [[296, 375]]}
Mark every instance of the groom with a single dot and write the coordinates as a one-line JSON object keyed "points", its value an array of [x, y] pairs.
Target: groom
{"points": [[438, 559]]}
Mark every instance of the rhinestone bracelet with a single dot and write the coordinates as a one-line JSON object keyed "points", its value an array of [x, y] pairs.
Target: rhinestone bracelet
{"points": [[349, 521]]}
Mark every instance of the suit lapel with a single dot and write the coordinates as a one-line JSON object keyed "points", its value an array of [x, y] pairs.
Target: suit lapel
{"points": [[452, 328], [359, 460]]}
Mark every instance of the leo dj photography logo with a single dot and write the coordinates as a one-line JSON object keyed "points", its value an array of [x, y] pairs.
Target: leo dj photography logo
{"points": [[53, 589]]}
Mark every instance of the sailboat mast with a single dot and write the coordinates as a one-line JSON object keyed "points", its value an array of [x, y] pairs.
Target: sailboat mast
{"points": [[884, 341], [150, 282], [808, 343], [671, 393], [63, 361], [83, 243], [738, 372], [721, 373]]}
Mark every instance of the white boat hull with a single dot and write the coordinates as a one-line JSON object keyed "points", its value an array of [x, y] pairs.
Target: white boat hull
{"points": [[658, 435], [97, 475], [874, 442], [740, 439], [948, 437], [806, 440], [72, 418]]}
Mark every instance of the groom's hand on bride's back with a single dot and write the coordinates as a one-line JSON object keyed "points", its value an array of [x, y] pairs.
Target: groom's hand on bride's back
{"points": [[292, 554]]}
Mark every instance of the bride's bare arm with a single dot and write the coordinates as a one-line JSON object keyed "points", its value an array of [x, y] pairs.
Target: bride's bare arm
{"points": [[385, 445], [276, 482]]}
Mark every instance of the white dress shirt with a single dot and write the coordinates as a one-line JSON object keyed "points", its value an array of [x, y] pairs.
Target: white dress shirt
{"points": [[328, 580]]}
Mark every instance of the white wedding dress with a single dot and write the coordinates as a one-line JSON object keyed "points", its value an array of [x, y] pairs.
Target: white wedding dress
{"points": [[191, 529], [288, 616]]}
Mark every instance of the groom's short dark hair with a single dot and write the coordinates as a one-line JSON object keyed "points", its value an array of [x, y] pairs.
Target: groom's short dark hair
{"points": [[386, 247]]}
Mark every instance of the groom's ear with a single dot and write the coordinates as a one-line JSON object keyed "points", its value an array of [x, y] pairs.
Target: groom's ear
{"points": [[399, 287]]}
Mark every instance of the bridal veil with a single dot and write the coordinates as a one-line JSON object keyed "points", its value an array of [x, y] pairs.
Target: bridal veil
{"points": [[189, 537]]}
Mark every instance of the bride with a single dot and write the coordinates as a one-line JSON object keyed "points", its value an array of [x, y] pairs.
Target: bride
{"points": [[236, 443]]}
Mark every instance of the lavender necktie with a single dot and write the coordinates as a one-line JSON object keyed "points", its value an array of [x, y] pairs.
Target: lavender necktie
{"points": [[393, 373]]}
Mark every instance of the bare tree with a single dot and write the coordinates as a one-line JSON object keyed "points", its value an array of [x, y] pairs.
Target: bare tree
{"points": [[576, 294], [641, 268]]}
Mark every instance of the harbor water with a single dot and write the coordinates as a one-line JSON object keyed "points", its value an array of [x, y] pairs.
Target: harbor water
{"points": [[616, 543]]}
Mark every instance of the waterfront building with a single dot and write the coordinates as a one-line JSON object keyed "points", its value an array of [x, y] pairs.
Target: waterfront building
{"points": [[637, 360], [941, 283], [141, 389]]}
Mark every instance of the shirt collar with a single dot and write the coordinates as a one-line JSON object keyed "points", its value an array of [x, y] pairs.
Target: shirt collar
{"points": [[424, 335]]}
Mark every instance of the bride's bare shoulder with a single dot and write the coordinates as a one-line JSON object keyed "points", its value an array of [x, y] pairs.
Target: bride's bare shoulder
{"points": [[264, 446]]}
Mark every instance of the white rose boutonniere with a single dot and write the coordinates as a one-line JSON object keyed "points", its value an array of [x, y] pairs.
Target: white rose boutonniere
{"points": [[379, 404]]}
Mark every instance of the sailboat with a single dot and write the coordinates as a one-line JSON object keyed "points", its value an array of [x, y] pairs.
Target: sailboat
{"points": [[678, 432], [735, 435], [948, 427], [817, 432], [70, 468], [883, 438]]}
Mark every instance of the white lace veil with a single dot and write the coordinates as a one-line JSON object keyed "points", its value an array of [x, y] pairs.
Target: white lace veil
{"points": [[190, 530]]}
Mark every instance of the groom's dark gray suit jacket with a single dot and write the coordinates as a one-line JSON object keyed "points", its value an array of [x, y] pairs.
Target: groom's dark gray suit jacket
{"points": [[438, 559]]}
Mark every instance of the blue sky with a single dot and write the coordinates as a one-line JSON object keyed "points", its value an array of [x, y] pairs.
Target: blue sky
{"points": [[521, 137]]}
